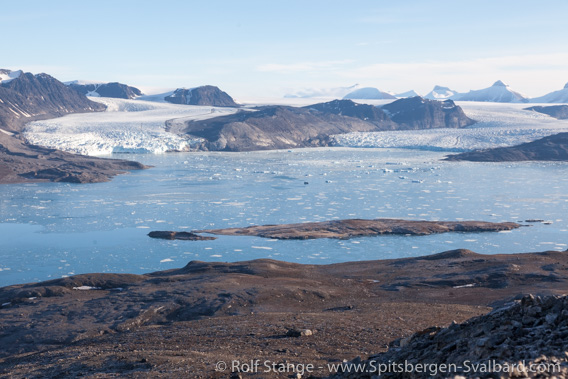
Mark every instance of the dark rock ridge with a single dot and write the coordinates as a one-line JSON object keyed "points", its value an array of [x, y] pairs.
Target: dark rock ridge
{"points": [[180, 322], [204, 95], [114, 89], [419, 113], [524, 337], [557, 111], [282, 127], [551, 148], [351, 228], [33, 97], [187, 236]]}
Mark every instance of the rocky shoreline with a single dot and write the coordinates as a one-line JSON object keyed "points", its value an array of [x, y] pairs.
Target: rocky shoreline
{"points": [[345, 229], [182, 322]]}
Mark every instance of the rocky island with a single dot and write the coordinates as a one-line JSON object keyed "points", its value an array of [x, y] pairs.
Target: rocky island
{"points": [[345, 229]]}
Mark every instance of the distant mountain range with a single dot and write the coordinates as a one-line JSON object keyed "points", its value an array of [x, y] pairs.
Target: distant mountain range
{"points": [[499, 92], [283, 127]]}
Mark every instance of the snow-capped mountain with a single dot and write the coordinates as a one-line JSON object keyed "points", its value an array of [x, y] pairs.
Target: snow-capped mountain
{"points": [[7, 76], [560, 96], [411, 93], [440, 93], [98, 89], [336, 92], [368, 93], [499, 92]]}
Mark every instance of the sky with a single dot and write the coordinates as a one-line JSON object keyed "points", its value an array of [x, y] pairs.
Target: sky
{"points": [[259, 49]]}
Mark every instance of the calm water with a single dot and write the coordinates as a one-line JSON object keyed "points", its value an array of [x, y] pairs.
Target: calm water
{"points": [[52, 230]]}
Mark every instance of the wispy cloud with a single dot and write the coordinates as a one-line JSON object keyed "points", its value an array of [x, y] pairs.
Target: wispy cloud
{"points": [[287, 68]]}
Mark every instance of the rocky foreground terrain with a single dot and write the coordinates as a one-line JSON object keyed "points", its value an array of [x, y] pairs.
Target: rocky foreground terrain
{"points": [[552, 148], [526, 338], [36, 97], [282, 127], [207, 319]]}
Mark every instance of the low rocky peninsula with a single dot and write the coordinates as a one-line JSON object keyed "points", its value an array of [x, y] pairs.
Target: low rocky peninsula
{"points": [[551, 148], [345, 229], [183, 322]]}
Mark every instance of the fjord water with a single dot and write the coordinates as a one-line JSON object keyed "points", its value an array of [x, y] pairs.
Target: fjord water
{"points": [[50, 230]]}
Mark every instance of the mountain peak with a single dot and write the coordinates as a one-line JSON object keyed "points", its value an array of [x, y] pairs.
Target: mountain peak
{"points": [[438, 88], [368, 93], [566, 86], [499, 83]]}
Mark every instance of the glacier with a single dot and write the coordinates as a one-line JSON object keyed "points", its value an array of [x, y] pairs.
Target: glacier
{"points": [[137, 126], [127, 126], [499, 124]]}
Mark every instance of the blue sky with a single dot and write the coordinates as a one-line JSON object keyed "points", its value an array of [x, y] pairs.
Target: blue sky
{"points": [[261, 49]]}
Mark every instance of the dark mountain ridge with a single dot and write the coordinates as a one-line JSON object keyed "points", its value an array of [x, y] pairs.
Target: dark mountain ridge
{"points": [[282, 127], [204, 95], [35, 97], [114, 89], [419, 113], [557, 111], [551, 148]]}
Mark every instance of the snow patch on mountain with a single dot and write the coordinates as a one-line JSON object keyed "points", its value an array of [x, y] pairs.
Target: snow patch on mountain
{"points": [[440, 93], [82, 82], [499, 92], [560, 96], [127, 126], [498, 125], [411, 93], [9, 75], [368, 93]]}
